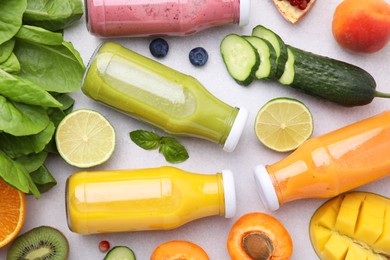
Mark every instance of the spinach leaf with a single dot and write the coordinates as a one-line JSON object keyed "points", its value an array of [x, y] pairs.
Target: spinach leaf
{"points": [[6, 50], [33, 161], [16, 175], [23, 90], [16, 146], [66, 101], [11, 13], [43, 179], [11, 65], [55, 68], [53, 14], [39, 35], [20, 119]]}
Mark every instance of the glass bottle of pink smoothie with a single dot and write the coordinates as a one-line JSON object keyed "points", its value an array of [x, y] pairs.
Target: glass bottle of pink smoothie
{"points": [[116, 18]]}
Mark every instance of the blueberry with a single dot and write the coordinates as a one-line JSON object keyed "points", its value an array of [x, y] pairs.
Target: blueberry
{"points": [[159, 48], [198, 56]]}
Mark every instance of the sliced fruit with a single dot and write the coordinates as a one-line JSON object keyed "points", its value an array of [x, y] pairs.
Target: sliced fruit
{"points": [[294, 10], [283, 124], [357, 228], [179, 249], [240, 57], [85, 138], [12, 212], [276, 42], [120, 253], [267, 54], [258, 235], [39, 243]]}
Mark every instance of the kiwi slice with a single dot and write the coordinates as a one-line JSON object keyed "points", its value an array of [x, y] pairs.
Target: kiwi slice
{"points": [[39, 243]]}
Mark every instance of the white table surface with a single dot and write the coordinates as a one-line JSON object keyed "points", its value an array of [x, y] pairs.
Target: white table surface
{"points": [[313, 33]]}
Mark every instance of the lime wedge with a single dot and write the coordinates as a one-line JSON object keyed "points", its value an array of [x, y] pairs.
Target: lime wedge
{"points": [[85, 138], [283, 124]]}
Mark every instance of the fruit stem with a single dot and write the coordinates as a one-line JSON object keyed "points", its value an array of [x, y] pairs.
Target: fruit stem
{"points": [[382, 94]]}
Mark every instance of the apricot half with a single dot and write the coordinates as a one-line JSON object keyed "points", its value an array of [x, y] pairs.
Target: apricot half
{"points": [[352, 226], [259, 236], [362, 25]]}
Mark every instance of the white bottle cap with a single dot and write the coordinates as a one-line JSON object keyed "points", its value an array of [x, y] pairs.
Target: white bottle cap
{"points": [[245, 10], [265, 188], [229, 192], [236, 131]]}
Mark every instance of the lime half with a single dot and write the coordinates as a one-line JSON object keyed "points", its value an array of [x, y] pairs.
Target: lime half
{"points": [[283, 124], [85, 138]]}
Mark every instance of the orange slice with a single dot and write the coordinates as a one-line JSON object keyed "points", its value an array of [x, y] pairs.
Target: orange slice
{"points": [[12, 212]]}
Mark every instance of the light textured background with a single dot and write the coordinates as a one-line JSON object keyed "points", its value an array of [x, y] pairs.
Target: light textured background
{"points": [[313, 34]]}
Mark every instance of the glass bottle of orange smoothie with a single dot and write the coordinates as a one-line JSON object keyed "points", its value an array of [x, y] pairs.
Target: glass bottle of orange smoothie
{"points": [[145, 199], [328, 165], [154, 93]]}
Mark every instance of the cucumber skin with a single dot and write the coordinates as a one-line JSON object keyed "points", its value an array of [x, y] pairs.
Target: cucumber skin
{"points": [[331, 79]]}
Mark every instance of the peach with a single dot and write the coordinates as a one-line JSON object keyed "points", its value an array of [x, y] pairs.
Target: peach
{"points": [[362, 25]]}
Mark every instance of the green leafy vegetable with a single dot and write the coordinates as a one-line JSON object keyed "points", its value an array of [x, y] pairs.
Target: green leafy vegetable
{"points": [[39, 35], [11, 65], [16, 175], [22, 90], [53, 15], [20, 119], [11, 13], [6, 50], [54, 67], [43, 179], [37, 70], [16, 146], [145, 139], [33, 161], [173, 151]]}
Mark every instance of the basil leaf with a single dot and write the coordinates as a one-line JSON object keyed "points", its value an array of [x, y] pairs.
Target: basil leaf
{"points": [[16, 175], [173, 151], [145, 139], [39, 35], [33, 161], [66, 101], [53, 15], [16, 146], [11, 13], [11, 65], [20, 119], [54, 67], [22, 90], [43, 179], [6, 50]]}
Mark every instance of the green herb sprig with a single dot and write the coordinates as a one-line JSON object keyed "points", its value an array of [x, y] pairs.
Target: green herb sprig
{"points": [[173, 150]]}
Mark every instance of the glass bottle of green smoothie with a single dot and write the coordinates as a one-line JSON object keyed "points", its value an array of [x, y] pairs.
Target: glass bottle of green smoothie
{"points": [[154, 93]]}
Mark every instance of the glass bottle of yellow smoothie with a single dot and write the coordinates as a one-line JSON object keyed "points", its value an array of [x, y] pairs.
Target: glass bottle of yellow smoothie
{"points": [[145, 199], [328, 165], [154, 93]]}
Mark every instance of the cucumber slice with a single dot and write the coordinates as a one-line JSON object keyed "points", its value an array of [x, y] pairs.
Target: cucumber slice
{"points": [[267, 54], [120, 253], [287, 77], [278, 44], [240, 57]]}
